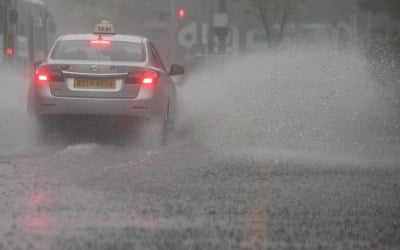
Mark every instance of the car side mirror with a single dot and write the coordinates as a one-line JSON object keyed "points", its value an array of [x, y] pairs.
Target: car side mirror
{"points": [[176, 70]]}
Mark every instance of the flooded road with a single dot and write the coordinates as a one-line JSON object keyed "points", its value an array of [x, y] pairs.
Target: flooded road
{"points": [[193, 198], [290, 153]]}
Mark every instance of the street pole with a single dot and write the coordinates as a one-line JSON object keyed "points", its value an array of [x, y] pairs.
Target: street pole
{"points": [[222, 26], [210, 38], [173, 9]]}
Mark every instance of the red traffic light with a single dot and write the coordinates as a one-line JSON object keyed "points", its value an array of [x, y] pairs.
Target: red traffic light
{"points": [[10, 52], [181, 13]]}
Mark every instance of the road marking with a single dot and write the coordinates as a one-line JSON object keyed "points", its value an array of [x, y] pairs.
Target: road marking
{"points": [[256, 218]]}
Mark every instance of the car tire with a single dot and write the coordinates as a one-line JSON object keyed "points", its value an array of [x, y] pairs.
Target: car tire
{"points": [[164, 133], [168, 124]]}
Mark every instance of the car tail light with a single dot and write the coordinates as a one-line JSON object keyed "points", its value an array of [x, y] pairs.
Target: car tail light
{"points": [[45, 75], [144, 78]]}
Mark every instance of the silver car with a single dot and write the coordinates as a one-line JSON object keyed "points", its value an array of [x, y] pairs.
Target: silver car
{"points": [[103, 75]]}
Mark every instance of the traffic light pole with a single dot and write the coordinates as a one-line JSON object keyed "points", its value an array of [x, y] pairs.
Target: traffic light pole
{"points": [[173, 33], [221, 23]]}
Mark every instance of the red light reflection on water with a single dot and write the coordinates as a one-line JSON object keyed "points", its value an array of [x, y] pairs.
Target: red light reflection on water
{"points": [[38, 199], [36, 221], [38, 224]]}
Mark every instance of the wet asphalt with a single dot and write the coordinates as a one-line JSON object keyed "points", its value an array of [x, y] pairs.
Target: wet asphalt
{"points": [[90, 196]]}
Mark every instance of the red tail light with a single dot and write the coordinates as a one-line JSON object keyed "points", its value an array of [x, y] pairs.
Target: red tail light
{"points": [[144, 78], [45, 75], [149, 78]]}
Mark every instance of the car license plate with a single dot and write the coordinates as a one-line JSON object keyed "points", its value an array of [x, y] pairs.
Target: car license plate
{"points": [[82, 83]]}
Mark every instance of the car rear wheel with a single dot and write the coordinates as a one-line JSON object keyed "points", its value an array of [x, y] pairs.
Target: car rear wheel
{"points": [[164, 132], [168, 124]]}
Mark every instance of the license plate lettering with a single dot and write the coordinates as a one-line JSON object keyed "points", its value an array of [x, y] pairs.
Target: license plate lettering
{"points": [[94, 84]]}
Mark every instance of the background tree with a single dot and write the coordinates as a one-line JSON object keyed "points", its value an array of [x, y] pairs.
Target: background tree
{"points": [[272, 16], [274, 12], [266, 14]]}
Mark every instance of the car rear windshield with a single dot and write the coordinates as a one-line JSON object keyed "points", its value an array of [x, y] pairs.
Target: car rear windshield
{"points": [[86, 50]]}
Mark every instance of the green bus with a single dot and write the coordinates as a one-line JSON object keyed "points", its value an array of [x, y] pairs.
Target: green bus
{"points": [[26, 29]]}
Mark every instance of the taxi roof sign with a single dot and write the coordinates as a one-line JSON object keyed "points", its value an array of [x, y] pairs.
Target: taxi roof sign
{"points": [[104, 28]]}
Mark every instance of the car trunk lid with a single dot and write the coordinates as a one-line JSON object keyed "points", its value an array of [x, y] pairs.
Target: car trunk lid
{"points": [[95, 80]]}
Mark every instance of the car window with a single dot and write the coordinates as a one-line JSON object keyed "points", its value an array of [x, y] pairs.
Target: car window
{"points": [[84, 50], [156, 59]]}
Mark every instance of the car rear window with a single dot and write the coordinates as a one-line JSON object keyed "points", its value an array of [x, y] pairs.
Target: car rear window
{"points": [[84, 50]]}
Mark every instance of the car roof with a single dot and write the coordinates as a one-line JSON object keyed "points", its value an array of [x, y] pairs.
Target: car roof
{"points": [[118, 37]]}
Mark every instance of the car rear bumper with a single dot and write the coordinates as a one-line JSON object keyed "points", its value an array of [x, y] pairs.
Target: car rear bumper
{"points": [[142, 106]]}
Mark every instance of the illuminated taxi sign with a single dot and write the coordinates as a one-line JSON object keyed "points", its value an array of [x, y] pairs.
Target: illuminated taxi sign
{"points": [[104, 28]]}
